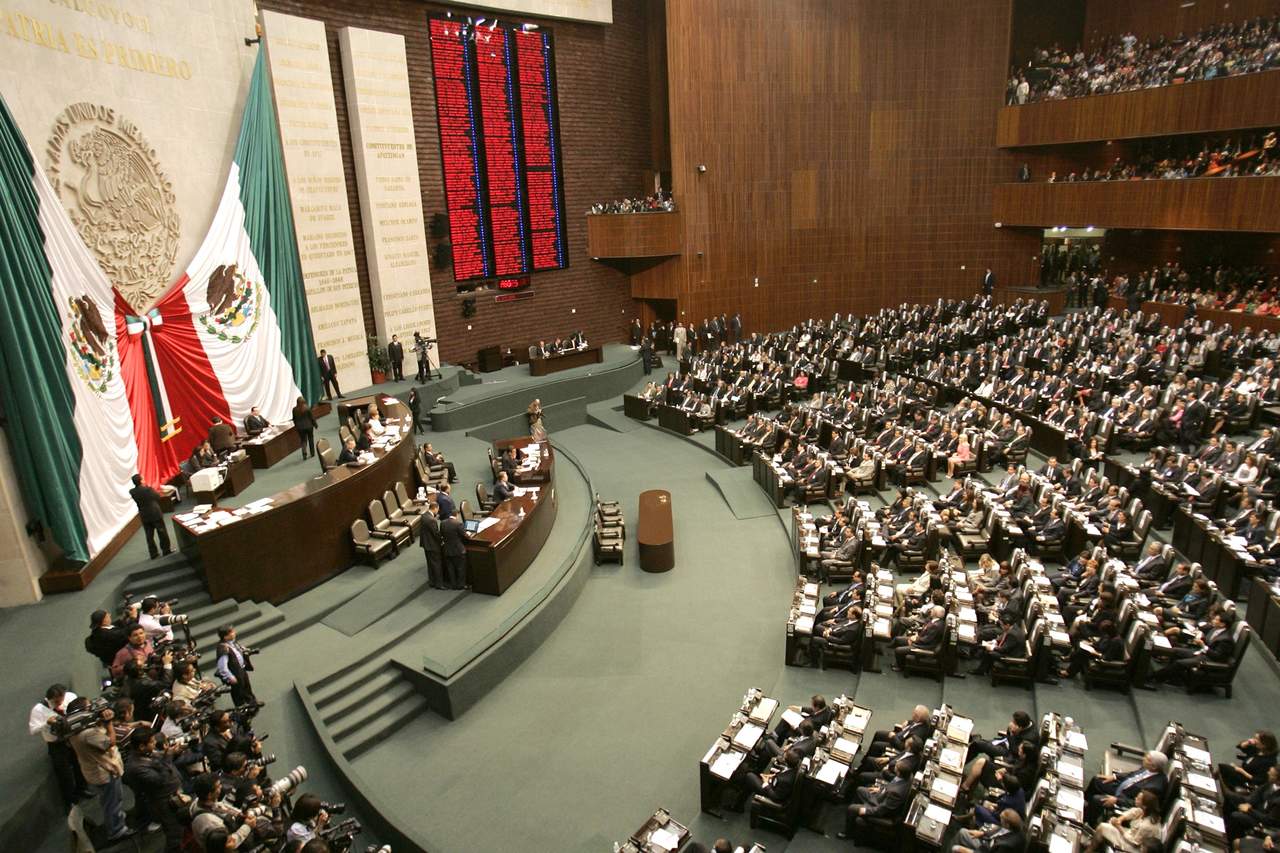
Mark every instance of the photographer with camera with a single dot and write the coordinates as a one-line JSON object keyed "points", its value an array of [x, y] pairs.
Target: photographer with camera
{"points": [[188, 688], [105, 637], [309, 819], [140, 650], [102, 766], [156, 619], [242, 781], [139, 686], [234, 665], [215, 825], [157, 785], [43, 717]]}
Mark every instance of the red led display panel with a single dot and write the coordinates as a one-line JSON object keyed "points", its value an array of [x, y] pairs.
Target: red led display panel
{"points": [[451, 64], [500, 134], [539, 121]]}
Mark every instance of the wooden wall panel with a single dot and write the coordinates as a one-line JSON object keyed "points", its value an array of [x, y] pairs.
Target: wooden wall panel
{"points": [[605, 136], [1130, 251], [1231, 103], [1198, 204], [1151, 18], [850, 154], [634, 235]]}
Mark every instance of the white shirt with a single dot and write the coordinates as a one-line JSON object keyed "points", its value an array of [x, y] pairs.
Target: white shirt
{"points": [[149, 623], [37, 723]]}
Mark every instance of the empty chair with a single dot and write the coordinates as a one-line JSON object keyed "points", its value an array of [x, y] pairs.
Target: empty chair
{"points": [[369, 546], [327, 460], [380, 524], [606, 544], [464, 510], [486, 503], [403, 496], [397, 515]]}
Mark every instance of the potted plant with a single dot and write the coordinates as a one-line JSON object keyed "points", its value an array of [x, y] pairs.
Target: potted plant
{"points": [[379, 362]]}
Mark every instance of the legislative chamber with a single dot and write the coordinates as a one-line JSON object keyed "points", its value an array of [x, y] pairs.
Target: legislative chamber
{"points": [[658, 426]]}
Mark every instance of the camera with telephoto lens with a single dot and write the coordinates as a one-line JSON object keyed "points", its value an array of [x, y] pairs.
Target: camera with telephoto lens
{"points": [[242, 714], [173, 619], [209, 695], [333, 808], [374, 848], [67, 725], [261, 760], [181, 741], [289, 782], [341, 835]]}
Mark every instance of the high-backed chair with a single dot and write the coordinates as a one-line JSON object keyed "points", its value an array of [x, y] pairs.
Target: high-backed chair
{"points": [[1211, 674], [327, 460], [397, 515], [483, 500], [380, 524], [369, 546]]}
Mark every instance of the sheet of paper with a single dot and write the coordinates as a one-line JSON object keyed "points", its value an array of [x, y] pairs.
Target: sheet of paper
{"points": [[725, 765], [664, 838], [846, 746], [764, 710], [792, 718], [748, 735], [945, 789], [485, 524], [1060, 844], [832, 772], [1077, 741], [1070, 799], [1194, 753], [938, 813], [1201, 782]]}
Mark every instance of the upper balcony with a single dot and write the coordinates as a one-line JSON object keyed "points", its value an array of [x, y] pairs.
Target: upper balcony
{"points": [[1196, 204], [1226, 104], [619, 236]]}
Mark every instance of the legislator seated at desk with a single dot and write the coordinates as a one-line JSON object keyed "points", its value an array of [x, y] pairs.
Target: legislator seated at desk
{"points": [[562, 355], [502, 545], [255, 424]]}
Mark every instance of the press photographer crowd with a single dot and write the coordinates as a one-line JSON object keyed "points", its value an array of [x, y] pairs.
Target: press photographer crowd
{"points": [[169, 747]]}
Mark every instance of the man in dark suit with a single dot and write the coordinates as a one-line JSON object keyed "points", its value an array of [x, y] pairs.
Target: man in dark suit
{"points": [[508, 462], [882, 800], [329, 376], [1004, 837], [1012, 642], [255, 424], [1193, 417], [221, 437], [348, 452], [780, 784], [444, 500], [1217, 645], [148, 501], [1153, 568], [433, 548], [502, 490], [844, 629], [926, 639], [919, 724], [395, 353], [988, 282], [454, 537], [646, 356], [1119, 790]]}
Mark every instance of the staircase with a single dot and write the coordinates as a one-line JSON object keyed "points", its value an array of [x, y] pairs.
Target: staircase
{"points": [[366, 703], [257, 623]]}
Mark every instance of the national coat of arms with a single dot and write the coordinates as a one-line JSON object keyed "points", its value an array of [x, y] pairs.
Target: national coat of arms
{"points": [[109, 180], [93, 350], [234, 305]]}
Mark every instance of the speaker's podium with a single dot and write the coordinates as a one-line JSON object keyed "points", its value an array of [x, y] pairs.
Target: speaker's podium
{"points": [[489, 359]]}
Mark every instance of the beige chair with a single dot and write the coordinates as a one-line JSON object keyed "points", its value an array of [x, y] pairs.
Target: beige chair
{"points": [[396, 515], [402, 495], [369, 546], [402, 533], [327, 460], [464, 510]]}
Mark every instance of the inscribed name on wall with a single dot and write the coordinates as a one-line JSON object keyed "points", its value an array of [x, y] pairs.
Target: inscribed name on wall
{"points": [[376, 75], [298, 55], [132, 108]]}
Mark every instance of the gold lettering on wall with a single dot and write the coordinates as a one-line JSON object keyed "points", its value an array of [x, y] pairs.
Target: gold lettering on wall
{"points": [[37, 31]]}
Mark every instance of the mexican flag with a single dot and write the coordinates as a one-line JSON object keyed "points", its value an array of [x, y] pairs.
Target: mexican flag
{"points": [[95, 389], [232, 332], [66, 413]]}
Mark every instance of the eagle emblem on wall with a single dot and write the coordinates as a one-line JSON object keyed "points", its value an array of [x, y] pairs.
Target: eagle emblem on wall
{"points": [[109, 180]]}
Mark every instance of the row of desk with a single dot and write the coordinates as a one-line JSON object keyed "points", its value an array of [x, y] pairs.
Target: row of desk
{"points": [[498, 555]]}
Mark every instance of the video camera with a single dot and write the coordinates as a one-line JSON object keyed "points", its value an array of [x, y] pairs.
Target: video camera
{"points": [[68, 725], [342, 835]]}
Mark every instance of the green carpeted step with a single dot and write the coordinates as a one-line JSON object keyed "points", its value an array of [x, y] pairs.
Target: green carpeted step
{"points": [[333, 687], [396, 718], [346, 701], [362, 717], [206, 618], [175, 582]]}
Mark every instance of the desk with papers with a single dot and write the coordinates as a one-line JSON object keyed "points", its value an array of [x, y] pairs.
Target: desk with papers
{"points": [[276, 547], [510, 537], [746, 727], [272, 445]]}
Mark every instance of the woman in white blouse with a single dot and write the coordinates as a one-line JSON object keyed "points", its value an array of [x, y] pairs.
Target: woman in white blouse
{"points": [[1247, 472]]}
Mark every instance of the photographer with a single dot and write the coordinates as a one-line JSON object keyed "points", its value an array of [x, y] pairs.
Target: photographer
{"points": [[139, 649], [66, 770], [105, 638], [139, 686], [188, 688], [153, 619], [308, 819], [157, 786], [233, 665], [103, 769], [212, 820], [240, 779], [220, 741]]}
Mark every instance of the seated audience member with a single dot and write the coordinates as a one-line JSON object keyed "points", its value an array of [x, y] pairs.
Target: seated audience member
{"points": [[1004, 837], [1120, 790], [1132, 830], [881, 800], [203, 457], [348, 454], [502, 490]]}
